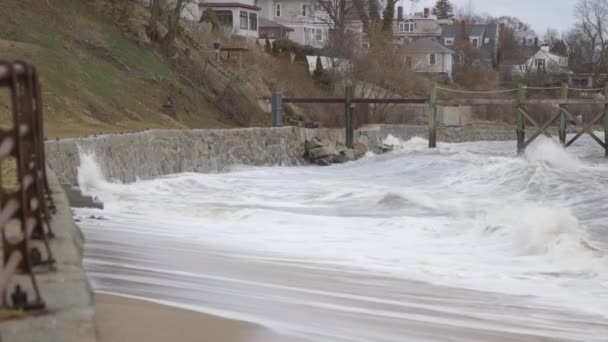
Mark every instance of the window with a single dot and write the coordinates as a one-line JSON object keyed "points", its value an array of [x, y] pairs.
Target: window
{"points": [[407, 26], [244, 19], [305, 10], [277, 10], [475, 42], [486, 40], [225, 18], [540, 63], [253, 21], [432, 59], [449, 41], [319, 35]]}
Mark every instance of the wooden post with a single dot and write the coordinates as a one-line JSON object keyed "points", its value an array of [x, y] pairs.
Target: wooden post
{"points": [[433, 117], [562, 118], [348, 115], [276, 103], [521, 123], [605, 121]]}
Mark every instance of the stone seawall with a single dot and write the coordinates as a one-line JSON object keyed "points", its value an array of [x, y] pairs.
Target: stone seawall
{"points": [[154, 153]]}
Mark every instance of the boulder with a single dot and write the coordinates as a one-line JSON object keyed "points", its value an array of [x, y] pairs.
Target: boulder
{"points": [[322, 152], [384, 148], [359, 150], [349, 155]]}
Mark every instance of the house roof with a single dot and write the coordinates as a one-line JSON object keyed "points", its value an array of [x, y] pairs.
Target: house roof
{"points": [[427, 45], [472, 30], [269, 24], [228, 5]]}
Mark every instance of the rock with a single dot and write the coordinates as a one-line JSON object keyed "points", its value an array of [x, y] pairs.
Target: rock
{"points": [[312, 144], [384, 148], [325, 161], [322, 152], [360, 150], [340, 148], [340, 159], [349, 155]]}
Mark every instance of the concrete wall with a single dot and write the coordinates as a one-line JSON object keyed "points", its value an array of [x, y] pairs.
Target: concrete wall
{"points": [[160, 152], [454, 116]]}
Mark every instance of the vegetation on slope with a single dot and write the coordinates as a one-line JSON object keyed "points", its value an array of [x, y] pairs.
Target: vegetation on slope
{"points": [[94, 79]]}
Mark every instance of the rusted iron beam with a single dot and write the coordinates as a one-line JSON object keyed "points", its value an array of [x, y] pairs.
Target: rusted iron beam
{"points": [[9, 269], [27, 206]]}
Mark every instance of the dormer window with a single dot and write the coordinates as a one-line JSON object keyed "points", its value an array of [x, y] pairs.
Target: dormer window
{"points": [[475, 42], [449, 41], [407, 26]]}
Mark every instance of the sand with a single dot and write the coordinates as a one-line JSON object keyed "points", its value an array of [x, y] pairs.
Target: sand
{"points": [[121, 319]]}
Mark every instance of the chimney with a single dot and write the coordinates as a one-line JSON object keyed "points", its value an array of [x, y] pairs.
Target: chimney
{"points": [[502, 35], [536, 42], [463, 33], [400, 13], [427, 12]]}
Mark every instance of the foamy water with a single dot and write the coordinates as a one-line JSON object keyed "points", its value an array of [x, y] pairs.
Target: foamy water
{"points": [[507, 247]]}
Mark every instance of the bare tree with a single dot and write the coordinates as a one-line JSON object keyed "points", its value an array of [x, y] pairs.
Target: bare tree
{"points": [[173, 26], [592, 16], [154, 18], [333, 13]]}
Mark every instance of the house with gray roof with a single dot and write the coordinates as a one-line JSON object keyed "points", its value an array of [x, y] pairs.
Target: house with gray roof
{"points": [[474, 44], [428, 56]]}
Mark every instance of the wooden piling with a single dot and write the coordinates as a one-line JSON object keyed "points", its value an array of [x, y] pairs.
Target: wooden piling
{"points": [[606, 120], [563, 122], [433, 117], [521, 124], [348, 116]]}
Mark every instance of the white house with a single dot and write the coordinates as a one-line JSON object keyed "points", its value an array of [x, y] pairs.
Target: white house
{"points": [[307, 20], [428, 56], [239, 17], [541, 60]]}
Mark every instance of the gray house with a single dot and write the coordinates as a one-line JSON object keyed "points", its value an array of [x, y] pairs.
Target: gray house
{"points": [[428, 56], [477, 44]]}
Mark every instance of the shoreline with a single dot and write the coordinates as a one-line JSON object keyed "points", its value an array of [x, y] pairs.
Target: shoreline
{"points": [[126, 319]]}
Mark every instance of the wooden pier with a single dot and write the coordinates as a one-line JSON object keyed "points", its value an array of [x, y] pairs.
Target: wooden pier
{"points": [[520, 102]]}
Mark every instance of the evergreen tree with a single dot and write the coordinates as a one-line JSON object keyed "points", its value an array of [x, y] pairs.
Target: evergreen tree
{"points": [[443, 9]]}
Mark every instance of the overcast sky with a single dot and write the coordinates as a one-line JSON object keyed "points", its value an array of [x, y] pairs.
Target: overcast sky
{"points": [[540, 14]]}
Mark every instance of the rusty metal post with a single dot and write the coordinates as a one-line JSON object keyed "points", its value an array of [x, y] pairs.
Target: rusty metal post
{"points": [[563, 123], [276, 103], [348, 116], [606, 120], [433, 116], [521, 123]]}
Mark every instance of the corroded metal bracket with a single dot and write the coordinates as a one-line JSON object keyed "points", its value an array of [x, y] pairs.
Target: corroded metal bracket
{"points": [[27, 206]]}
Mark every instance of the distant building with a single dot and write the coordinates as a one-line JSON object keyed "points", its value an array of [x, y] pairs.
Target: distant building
{"points": [[268, 29], [239, 17], [407, 28], [475, 44], [538, 59], [308, 22], [428, 56]]}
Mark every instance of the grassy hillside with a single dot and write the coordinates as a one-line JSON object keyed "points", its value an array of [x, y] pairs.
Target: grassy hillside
{"points": [[94, 79]]}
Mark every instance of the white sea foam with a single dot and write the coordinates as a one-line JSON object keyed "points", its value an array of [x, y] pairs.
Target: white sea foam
{"points": [[465, 215]]}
